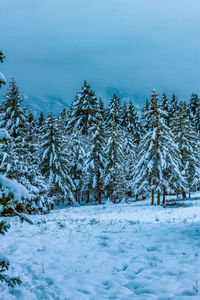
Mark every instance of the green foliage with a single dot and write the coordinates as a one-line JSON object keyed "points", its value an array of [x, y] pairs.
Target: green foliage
{"points": [[4, 227], [1, 56]]}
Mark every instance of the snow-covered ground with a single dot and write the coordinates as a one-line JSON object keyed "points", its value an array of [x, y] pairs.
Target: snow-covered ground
{"points": [[126, 251]]}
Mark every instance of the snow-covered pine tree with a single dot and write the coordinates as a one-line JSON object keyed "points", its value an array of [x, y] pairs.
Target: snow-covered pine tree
{"points": [[145, 117], [95, 159], [129, 152], [54, 163], [124, 116], [101, 109], [7, 190], [13, 117], [62, 120], [83, 110], [165, 107], [21, 163], [133, 125], [114, 113], [76, 150], [173, 106], [41, 119], [2, 77], [115, 180], [194, 105], [33, 179], [187, 141], [196, 121], [158, 156]]}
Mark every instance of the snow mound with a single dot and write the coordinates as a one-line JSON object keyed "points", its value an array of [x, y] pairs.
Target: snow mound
{"points": [[12, 186]]}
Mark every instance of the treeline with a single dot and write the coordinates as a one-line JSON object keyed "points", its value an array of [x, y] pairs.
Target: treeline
{"points": [[91, 152]]}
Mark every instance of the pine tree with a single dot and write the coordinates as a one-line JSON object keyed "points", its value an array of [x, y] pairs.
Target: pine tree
{"points": [[133, 124], [193, 105], [62, 121], [101, 109], [114, 112], [95, 161], [173, 106], [158, 156], [2, 77], [77, 155], [12, 115], [165, 106], [129, 152], [145, 117], [115, 181], [187, 141], [196, 121], [124, 117], [6, 204], [83, 110], [41, 119], [54, 161]]}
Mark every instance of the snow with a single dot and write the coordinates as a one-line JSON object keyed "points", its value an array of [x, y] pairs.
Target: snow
{"points": [[126, 251], [4, 134], [2, 78], [12, 186]]}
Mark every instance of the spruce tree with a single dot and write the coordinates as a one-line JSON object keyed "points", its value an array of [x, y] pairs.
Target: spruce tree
{"points": [[133, 125], [129, 153], [115, 181], [165, 106], [83, 110], [55, 162], [187, 141], [196, 121], [193, 105], [101, 109], [13, 117], [76, 150], [5, 202], [95, 161], [173, 106], [158, 156], [2, 77], [145, 117], [114, 112], [41, 119], [124, 117]]}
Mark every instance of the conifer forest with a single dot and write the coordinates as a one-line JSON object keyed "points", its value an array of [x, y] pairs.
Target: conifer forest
{"points": [[91, 153]]}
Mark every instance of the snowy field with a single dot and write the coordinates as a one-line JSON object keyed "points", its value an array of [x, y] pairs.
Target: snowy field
{"points": [[121, 251]]}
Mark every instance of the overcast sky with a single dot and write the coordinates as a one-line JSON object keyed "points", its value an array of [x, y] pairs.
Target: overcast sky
{"points": [[51, 46]]}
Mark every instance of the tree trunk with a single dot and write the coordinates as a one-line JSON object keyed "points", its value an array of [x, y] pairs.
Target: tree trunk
{"points": [[76, 197], [158, 198], [152, 197], [183, 194], [137, 197], [189, 191], [164, 192], [99, 196], [88, 197]]}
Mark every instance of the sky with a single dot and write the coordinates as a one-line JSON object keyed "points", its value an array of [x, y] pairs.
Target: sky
{"points": [[132, 46]]}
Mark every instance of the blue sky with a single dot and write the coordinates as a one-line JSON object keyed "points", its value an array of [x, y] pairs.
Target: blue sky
{"points": [[51, 46]]}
